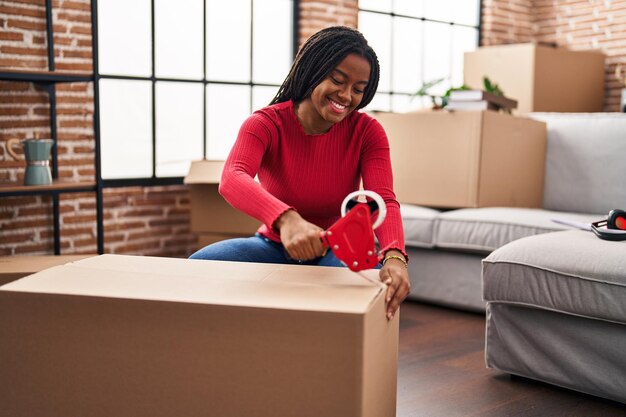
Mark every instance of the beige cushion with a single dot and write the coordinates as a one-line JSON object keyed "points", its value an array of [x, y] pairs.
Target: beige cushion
{"points": [[418, 225], [486, 229], [572, 272]]}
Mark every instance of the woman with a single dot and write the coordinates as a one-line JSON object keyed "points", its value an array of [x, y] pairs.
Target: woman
{"points": [[310, 148]]}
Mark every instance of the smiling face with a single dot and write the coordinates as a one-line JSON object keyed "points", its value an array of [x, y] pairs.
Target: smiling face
{"points": [[336, 96]]}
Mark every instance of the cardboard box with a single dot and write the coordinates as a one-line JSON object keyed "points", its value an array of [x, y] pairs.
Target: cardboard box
{"points": [[540, 78], [15, 267], [466, 159], [210, 213], [138, 336]]}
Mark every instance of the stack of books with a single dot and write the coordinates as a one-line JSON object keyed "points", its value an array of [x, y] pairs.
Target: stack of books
{"points": [[479, 100]]}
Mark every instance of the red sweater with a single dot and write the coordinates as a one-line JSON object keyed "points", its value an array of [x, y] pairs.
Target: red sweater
{"points": [[309, 173]]}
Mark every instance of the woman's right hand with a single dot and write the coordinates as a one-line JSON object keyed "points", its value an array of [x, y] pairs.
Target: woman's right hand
{"points": [[300, 238]]}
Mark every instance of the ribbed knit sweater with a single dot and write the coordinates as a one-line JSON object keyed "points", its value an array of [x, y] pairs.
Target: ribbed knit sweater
{"points": [[311, 174]]}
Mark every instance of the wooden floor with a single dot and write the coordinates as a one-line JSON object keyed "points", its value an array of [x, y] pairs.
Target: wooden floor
{"points": [[441, 372]]}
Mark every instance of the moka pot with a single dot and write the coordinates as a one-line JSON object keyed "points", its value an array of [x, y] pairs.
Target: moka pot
{"points": [[37, 154]]}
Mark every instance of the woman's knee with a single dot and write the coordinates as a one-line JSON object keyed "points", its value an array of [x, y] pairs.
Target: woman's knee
{"points": [[252, 249]]}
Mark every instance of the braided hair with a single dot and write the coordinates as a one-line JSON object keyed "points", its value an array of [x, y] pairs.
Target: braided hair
{"points": [[321, 54]]}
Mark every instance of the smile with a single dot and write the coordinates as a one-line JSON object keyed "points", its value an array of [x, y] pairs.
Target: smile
{"points": [[337, 107]]}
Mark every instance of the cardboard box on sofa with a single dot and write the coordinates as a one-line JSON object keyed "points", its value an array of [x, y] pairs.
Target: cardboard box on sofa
{"points": [[466, 158], [135, 336], [210, 213], [540, 78], [16, 267]]}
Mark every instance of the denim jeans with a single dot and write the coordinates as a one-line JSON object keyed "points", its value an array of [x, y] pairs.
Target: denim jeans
{"points": [[258, 249]]}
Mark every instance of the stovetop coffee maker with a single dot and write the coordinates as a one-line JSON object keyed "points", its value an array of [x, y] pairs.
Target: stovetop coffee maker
{"points": [[37, 154]]}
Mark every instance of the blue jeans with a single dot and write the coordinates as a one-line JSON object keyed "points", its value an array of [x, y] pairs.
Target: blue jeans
{"points": [[258, 249]]}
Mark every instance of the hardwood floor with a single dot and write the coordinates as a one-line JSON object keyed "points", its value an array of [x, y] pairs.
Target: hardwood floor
{"points": [[441, 372]]}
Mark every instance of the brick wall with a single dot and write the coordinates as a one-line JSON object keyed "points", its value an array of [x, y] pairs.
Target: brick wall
{"points": [[575, 24], [508, 21], [154, 220], [318, 14], [149, 221]]}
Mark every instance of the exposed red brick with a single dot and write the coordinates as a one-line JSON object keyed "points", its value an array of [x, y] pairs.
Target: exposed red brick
{"points": [[31, 2], [73, 5], [24, 237], [14, 50], [85, 242], [11, 36], [62, 40], [33, 64], [124, 226], [23, 11], [82, 30], [73, 87], [34, 249], [12, 124], [59, 28], [73, 219], [74, 66], [26, 24], [13, 111], [13, 86]]}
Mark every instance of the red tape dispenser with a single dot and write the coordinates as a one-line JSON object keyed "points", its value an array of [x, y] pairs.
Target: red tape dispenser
{"points": [[351, 238]]}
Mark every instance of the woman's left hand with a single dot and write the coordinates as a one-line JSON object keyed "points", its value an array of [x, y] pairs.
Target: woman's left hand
{"points": [[395, 274]]}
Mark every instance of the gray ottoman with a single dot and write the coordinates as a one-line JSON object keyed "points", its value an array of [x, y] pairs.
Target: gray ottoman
{"points": [[556, 311]]}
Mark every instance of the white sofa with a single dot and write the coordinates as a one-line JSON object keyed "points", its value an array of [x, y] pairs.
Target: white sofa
{"points": [[585, 177]]}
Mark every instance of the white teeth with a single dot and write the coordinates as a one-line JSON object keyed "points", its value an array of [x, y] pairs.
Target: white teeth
{"points": [[337, 105]]}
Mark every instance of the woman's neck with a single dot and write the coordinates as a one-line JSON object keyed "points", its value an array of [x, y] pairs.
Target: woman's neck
{"points": [[310, 120]]}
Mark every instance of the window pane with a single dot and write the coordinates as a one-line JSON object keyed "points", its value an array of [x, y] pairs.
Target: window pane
{"points": [[380, 102], [466, 12], [178, 39], [464, 39], [401, 103], [273, 42], [377, 30], [378, 5], [227, 107], [228, 40], [126, 128], [124, 37], [441, 10], [407, 55], [413, 8], [437, 55], [261, 96], [179, 125]]}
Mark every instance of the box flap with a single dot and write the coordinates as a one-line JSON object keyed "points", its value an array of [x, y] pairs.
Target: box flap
{"points": [[204, 172], [245, 271], [29, 264], [207, 282]]}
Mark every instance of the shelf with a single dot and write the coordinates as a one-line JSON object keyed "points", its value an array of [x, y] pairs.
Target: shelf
{"points": [[7, 189], [44, 76]]}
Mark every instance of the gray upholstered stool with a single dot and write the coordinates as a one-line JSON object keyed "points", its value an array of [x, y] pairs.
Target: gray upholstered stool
{"points": [[556, 311]]}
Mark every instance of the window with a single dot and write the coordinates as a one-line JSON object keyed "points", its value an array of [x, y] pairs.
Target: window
{"points": [[418, 42], [177, 79]]}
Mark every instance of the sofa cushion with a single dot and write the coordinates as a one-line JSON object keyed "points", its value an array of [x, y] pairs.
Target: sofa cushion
{"points": [[571, 271], [584, 172], [418, 225], [486, 229]]}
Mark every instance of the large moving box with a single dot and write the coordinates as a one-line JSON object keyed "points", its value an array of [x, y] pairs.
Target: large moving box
{"points": [[15, 267], [137, 336], [212, 218], [540, 78], [466, 159]]}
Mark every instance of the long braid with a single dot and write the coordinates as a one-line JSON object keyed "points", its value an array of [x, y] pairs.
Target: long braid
{"points": [[319, 55]]}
